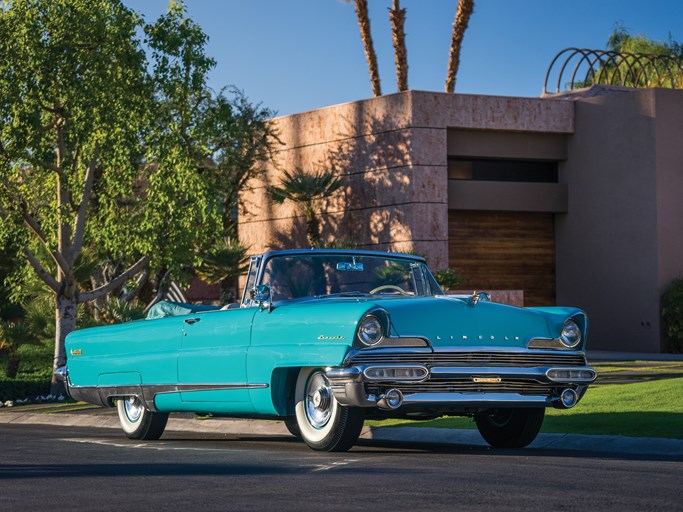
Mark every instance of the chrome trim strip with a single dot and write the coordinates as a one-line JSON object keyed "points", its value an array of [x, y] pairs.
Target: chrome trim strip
{"points": [[477, 399], [101, 395], [358, 373], [186, 388], [538, 373]]}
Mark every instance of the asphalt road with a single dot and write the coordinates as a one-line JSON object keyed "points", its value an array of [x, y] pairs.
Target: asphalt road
{"points": [[51, 468]]}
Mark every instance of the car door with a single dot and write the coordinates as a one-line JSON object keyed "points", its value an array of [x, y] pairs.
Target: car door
{"points": [[212, 358]]}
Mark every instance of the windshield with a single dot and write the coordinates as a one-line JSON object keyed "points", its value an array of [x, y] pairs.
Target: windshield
{"points": [[297, 276]]}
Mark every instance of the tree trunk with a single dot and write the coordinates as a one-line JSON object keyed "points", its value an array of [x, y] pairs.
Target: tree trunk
{"points": [[65, 322], [228, 291], [12, 365], [366, 36], [397, 16], [312, 227], [462, 18]]}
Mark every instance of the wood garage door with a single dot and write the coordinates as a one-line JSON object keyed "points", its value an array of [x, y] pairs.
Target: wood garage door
{"points": [[504, 251]]}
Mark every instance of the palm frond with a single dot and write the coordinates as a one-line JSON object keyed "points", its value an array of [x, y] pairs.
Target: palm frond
{"points": [[228, 260]]}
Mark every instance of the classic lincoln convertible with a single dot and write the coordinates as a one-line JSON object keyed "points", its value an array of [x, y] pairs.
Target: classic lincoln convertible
{"points": [[323, 339]]}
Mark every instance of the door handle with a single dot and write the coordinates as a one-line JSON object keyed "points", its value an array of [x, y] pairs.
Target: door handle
{"points": [[192, 320]]}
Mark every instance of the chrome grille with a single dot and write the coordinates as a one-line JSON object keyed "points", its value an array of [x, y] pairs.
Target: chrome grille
{"points": [[462, 386], [481, 359]]}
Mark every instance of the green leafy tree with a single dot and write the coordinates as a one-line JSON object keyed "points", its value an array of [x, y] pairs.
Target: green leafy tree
{"points": [[306, 190], [101, 148], [636, 61], [241, 137], [207, 148], [176, 206], [74, 94]]}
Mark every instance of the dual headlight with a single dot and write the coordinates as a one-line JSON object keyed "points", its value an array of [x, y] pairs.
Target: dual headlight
{"points": [[570, 336]]}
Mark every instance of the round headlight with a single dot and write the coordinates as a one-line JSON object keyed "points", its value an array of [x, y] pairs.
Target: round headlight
{"points": [[571, 334], [370, 330]]}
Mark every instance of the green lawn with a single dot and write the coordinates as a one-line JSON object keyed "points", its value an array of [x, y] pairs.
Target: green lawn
{"points": [[641, 409]]}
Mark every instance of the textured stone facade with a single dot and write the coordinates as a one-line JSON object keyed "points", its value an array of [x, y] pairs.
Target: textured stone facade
{"points": [[392, 153]]}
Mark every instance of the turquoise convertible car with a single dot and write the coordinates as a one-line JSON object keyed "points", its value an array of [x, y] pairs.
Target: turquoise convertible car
{"points": [[326, 338]]}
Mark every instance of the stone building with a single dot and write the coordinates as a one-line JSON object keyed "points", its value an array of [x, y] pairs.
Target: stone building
{"points": [[574, 199]]}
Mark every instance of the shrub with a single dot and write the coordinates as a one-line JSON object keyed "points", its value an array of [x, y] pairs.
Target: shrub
{"points": [[21, 389], [447, 278], [672, 318], [116, 311]]}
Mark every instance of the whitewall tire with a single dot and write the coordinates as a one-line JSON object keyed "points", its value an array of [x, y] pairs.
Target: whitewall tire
{"points": [[137, 421], [324, 424]]}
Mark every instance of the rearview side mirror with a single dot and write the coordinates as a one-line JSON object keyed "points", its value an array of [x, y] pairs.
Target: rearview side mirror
{"points": [[260, 294]]}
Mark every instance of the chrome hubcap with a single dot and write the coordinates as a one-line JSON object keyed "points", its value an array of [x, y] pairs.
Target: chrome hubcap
{"points": [[133, 408], [318, 400]]}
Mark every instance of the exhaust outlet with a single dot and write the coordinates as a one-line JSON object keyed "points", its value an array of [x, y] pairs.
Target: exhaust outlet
{"points": [[391, 400]]}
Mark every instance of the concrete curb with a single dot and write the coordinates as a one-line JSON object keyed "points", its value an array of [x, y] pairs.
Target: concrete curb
{"points": [[410, 435]]}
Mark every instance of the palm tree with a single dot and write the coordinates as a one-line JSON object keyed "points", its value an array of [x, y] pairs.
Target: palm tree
{"points": [[397, 16], [462, 18], [306, 190], [364, 24], [224, 265]]}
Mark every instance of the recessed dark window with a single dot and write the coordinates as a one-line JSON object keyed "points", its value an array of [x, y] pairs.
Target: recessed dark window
{"points": [[502, 170]]}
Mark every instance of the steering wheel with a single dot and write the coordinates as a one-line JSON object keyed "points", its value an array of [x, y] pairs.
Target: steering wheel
{"points": [[389, 287]]}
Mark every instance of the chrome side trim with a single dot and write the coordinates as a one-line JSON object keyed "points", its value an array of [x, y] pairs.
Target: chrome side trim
{"points": [[102, 395], [185, 388]]}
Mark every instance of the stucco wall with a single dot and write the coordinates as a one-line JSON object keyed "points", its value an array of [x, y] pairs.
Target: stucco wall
{"points": [[669, 147], [607, 242]]}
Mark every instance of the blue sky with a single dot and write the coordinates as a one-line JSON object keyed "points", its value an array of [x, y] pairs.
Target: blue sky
{"points": [[298, 55]]}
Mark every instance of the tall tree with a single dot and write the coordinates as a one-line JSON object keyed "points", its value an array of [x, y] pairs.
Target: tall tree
{"points": [[397, 16], [462, 19], [101, 148], [366, 36], [177, 208], [241, 138], [662, 69], [74, 94], [305, 190]]}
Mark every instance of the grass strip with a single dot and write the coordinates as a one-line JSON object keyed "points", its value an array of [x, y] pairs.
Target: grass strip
{"points": [[641, 409]]}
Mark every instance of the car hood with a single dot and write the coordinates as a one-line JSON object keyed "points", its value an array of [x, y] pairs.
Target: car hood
{"points": [[449, 321], [446, 321]]}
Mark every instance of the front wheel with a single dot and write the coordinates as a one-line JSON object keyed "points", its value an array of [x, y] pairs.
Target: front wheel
{"points": [[510, 428], [138, 422], [324, 424]]}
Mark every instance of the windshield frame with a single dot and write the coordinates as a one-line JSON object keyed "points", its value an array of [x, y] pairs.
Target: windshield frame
{"points": [[431, 286]]}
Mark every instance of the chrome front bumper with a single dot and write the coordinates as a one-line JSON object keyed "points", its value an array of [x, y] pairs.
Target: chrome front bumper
{"points": [[457, 387]]}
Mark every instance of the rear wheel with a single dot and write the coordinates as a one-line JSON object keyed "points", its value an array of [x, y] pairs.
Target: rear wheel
{"points": [[324, 424], [139, 422], [510, 428]]}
